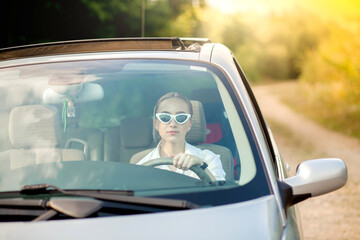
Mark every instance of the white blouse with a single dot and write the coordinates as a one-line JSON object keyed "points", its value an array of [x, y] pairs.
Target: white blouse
{"points": [[211, 159]]}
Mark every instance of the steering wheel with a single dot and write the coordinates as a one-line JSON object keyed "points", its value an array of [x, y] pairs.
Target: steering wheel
{"points": [[204, 175]]}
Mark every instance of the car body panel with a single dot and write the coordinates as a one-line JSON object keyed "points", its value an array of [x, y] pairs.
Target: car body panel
{"points": [[191, 56], [222, 58], [222, 222]]}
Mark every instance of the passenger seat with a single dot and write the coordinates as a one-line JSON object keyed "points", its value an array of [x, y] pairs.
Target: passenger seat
{"points": [[35, 133]]}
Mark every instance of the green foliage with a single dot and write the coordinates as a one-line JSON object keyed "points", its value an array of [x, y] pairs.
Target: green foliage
{"points": [[57, 20], [318, 42], [268, 46], [331, 80], [187, 24]]}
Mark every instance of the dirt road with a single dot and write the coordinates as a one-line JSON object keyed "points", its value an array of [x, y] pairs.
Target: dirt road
{"points": [[331, 216]]}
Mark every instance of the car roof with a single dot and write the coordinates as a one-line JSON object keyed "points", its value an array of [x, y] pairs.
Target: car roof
{"points": [[103, 45], [193, 49]]}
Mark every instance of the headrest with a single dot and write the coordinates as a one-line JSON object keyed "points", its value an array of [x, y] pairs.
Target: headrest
{"points": [[136, 132], [197, 133], [34, 126]]}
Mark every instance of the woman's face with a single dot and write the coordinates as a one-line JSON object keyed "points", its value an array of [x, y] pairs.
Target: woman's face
{"points": [[172, 131]]}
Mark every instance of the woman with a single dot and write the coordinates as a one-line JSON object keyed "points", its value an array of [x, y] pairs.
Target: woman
{"points": [[172, 119]]}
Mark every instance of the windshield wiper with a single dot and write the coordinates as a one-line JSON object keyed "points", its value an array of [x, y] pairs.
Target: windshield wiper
{"points": [[48, 207], [147, 201], [76, 208]]}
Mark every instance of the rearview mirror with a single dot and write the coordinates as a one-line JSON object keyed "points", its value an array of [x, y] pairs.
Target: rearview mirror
{"points": [[79, 93], [317, 177]]}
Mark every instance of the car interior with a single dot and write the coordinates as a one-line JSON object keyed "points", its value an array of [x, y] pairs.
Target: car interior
{"points": [[112, 117]]}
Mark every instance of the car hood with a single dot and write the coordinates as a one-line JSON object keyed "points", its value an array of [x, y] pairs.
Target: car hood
{"points": [[256, 219]]}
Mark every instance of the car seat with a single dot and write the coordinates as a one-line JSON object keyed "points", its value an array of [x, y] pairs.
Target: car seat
{"points": [[133, 135], [196, 136], [219, 130], [34, 132], [88, 140], [216, 118]]}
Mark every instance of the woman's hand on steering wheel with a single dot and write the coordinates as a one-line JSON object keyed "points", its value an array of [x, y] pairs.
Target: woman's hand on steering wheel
{"points": [[204, 175], [186, 161]]}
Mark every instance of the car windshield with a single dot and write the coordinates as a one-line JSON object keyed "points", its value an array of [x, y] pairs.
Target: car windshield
{"points": [[86, 125]]}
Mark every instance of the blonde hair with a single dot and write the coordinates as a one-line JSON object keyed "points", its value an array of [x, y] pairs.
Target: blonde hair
{"points": [[173, 95]]}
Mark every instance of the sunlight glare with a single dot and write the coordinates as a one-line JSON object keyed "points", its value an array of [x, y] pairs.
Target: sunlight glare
{"points": [[257, 6]]}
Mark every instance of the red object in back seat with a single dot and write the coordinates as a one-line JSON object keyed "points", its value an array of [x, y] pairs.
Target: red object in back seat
{"points": [[215, 134]]}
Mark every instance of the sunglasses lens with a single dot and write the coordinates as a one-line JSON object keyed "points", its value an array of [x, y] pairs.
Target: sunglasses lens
{"points": [[164, 118], [181, 118]]}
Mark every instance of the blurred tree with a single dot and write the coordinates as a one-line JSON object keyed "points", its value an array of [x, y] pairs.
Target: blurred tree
{"points": [[48, 20], [26, 22], [331, 80], [267, 46], [236, 32], [188, 23]]}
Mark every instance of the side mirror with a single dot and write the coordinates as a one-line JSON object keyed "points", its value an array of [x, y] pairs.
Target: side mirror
{"points": [[317, 177]]}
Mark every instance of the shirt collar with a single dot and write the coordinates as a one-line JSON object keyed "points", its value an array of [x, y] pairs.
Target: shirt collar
{"points": [[157, 152]]}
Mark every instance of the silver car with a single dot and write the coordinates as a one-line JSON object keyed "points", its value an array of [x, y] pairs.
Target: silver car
{"points": [[77, 117]]}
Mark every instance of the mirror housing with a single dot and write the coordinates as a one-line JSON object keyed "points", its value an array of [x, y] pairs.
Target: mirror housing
{"points": [[79, 93], [317, 177]]}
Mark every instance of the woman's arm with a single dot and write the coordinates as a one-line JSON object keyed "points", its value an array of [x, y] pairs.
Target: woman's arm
{"points": [[186, 161]]}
